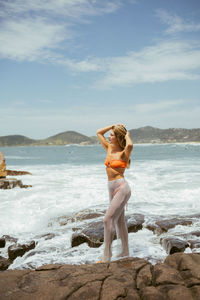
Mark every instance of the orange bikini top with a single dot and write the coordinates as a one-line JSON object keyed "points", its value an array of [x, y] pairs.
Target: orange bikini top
{"points": [[116, 163]]}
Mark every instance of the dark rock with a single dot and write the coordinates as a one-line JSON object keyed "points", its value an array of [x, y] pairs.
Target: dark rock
{"points": [[2, 242], [10, 183], [16, 173], [130, 279], [194, 243], [19, 250], [135, 222], [4, 263], [165, 225], [25, 186], [196, 233], [173, 245], [93, 233], [10, 238], [153, 227]]}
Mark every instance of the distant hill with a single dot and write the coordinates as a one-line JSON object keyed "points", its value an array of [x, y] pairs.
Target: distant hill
{"points": [[150, 134], [145, 134], [67, 137], [15, 140], [64, 138]]}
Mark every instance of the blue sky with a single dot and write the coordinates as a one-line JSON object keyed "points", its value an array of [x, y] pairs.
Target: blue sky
{"points": [[84, 64]]}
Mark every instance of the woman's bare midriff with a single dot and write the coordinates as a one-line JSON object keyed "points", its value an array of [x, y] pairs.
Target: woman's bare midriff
{"points": [[114, 174]]}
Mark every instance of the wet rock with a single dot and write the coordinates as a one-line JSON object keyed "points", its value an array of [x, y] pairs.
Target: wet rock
{"points": [[173, 245], [10, 183], [16, 173], [135, 222], [2, 242], [194, 243], [196, 233], [4, 263], [93, 233], [25, 186], [9, 238], [19, 250], [87, 215], [165, 225], [153, 227], [131, 278]]}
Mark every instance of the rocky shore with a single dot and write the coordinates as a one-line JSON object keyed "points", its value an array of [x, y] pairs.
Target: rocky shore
{"points": [[178, 278]]}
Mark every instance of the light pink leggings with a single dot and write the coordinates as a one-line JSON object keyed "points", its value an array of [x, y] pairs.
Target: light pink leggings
{"points": [[119, 194]]}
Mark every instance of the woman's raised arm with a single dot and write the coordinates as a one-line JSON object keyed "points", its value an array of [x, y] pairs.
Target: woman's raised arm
{"points": [[100, 135]]}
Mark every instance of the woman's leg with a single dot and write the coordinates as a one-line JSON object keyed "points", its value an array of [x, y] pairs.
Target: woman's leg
{"points": [[112, 215]]}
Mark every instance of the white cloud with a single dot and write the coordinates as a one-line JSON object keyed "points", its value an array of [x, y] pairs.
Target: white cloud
{"points": [[30, 39], [68, 8], [32, 30], [176, 24], [169, 60]]}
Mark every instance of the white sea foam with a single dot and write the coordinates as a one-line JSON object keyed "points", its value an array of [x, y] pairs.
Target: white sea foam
{"points": [[164, 181]]}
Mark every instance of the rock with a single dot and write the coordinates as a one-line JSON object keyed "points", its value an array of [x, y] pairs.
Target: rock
{"points": [[130, 279], [135, 222], [25, 186], [196, 233], [10, 238], [194, 244], [188, 266], [93, 233], [165, 274], [3, 172], [2, 242], [10, 183], [16, 173], [4, 263], [19, 250], [165, 225], [173, 245]]}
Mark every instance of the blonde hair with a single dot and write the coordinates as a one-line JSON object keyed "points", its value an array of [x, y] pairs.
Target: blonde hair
{"points": [[120, 133]]}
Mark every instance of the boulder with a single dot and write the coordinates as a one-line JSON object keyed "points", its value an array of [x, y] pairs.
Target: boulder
{"points": [[19, 250], [2, 242], [178, 278], [173, 244], [4, 263], [10, 183], [135, 222], [165, 225], [9, 238], [93, 233]]}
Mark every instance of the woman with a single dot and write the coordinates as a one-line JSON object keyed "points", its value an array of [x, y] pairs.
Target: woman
{"points": [[118, 150]]}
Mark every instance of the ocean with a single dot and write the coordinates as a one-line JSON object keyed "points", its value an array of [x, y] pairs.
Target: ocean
{"points": [[164, 179]]}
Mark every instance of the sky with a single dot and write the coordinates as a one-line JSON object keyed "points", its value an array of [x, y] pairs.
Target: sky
{"points": [[85, 64]]}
